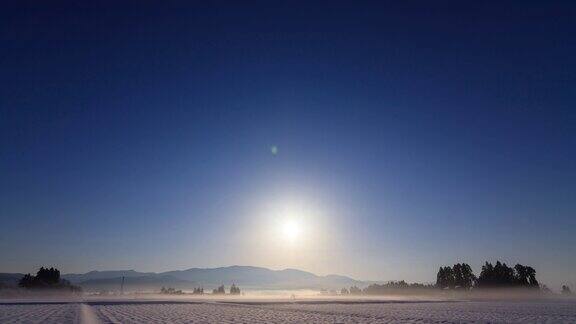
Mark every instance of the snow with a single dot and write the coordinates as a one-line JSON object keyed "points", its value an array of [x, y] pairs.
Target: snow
{"points": [[214, 311]]}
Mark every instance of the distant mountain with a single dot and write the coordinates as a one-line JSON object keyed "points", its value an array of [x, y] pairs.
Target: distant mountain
{"points": [[244, 276], [94, 275], [10, 279], [248, 276]]}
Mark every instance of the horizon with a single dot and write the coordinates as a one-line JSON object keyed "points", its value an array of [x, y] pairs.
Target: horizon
{"points": [[198, 268], [384, 140], [364, 280]]}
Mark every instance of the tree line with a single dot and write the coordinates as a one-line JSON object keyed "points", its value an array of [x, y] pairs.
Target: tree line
{"points": [[47, 278], [221, 290], [461, 276], [458, 276], [388, 287], [492, 276], [171, 291]]}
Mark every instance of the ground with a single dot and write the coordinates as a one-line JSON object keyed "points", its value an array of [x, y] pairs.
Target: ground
{"points": [[215, 311]]}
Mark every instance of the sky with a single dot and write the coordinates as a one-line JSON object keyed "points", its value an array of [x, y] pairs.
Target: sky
{"points": [[398, 136]]}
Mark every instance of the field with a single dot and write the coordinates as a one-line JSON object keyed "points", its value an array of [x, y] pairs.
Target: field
{"points": [[310, 311]]}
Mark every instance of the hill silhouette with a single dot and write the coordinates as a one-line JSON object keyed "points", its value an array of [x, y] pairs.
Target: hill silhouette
{"points": [[245, 276]]}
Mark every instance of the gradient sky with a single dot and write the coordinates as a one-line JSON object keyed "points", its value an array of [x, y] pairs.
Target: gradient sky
{"points": [[409, 136]]}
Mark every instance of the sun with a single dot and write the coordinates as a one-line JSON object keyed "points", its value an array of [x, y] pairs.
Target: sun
{"points": [[291, 230]]}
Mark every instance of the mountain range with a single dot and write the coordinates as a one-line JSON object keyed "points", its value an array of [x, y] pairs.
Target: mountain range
{"points": [[244, 276]]}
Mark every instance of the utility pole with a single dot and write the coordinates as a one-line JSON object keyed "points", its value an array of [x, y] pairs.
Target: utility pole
{"points": [[122, 286]]}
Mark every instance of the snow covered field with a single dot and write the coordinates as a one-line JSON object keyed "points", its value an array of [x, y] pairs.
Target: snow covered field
{"points": [[210, 311], [40, 313]]}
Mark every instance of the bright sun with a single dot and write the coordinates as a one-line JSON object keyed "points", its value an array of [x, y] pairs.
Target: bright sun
{"points": [[291, 230]]}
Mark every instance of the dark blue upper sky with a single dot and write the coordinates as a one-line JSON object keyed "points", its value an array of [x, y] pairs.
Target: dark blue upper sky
{"points": [[138, 136]]}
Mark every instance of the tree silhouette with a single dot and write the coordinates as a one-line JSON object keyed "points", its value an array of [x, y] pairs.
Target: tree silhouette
{"points": [[48, 279], [171, 291], [445, 278], [500, 275], [48, 276], [234, 290], [219, 291], [463, 276], [27, 281], [394, 286], [532, 277]]}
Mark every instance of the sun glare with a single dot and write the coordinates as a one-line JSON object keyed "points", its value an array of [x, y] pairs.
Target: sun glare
{"points": [[291, 230], [289, 225]]}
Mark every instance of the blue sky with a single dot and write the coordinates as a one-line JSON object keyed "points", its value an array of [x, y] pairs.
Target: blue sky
{"points": [[420, 135]]}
